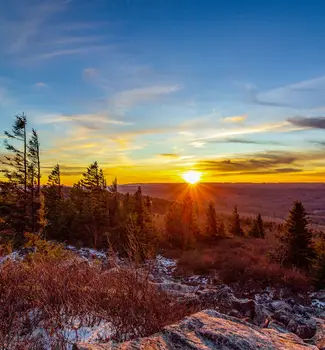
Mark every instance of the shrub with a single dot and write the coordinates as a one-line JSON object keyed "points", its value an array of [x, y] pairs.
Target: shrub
{"points": [[46, 300]]}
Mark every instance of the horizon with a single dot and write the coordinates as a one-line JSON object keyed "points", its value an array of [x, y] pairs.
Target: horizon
{"points": [[230, 89]]}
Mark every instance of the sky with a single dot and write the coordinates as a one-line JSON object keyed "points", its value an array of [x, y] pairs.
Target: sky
{"points": [[153, 88]]}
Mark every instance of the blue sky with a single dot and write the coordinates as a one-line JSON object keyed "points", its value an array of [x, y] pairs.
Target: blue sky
{"points": [[150, 89]]}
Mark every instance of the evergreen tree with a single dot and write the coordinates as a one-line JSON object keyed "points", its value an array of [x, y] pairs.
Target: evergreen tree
{"points": [[235, 227], [139, 208], [181, 225], [90, 197], [93, 179], [34, 172], [34, 155], [221, 229], [211, 223], [15, 169], [319, 264], [56, 211], [54, 181], [297, 239], [257, 229], [114, 206]]}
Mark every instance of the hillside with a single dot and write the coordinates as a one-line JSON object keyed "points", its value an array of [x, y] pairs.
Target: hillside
{"points": [[272, 200]]}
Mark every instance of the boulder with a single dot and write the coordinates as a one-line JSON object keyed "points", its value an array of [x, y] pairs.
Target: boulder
{"points": [[210, 330]]}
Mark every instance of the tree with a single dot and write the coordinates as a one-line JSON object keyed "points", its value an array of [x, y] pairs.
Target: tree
{"points": [[296, 242], [93, 178], [257, 229], [34, 155], [139, 208], [17, 164], [54, 181], [90, 198], [319, 264], [56, 213], [34, 179], [15, 169], [181, 225], [235, 227], [211, 221]]}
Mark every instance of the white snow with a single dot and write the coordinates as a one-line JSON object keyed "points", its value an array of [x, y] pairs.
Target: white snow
{"points": [[318, 304]]}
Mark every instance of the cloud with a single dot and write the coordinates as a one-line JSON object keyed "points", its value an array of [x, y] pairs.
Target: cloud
{"points": [[90, 73], [320, 143], [262, 163], [169, 155], [312, 122], [89, 121], [281, 126], [126, 99], [40, 84], [267, 161], [68, 52], [235, 119], [306, 94], [28, 32], [244, 141]]}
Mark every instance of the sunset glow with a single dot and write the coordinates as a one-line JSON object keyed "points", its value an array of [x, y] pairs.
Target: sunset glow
{"points": [[192, 176], [96, 91]]}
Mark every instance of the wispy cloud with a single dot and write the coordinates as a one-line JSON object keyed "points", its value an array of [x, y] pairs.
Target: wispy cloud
{"points": [[244, 141], [260, 163], [31, 34], [307, 94], [235, 119], [169, 155], [40, 84], [91, 121], [124, 100], [282, 126], [68, 52], [305, 122]]}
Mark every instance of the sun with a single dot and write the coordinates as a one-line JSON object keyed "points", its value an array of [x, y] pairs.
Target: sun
{"points": [[192, 176]]}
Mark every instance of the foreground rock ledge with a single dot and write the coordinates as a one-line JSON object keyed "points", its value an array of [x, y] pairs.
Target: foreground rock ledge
{"points": [[210, 330]]}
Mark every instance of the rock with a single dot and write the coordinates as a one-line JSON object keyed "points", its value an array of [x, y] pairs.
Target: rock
{"points": [[320, 295], [246, 307], [319, 337], [304, 328], [280, 305], [210, 330]]}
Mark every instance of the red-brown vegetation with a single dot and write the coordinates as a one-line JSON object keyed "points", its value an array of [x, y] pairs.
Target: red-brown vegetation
{"points": [[49, 300]]}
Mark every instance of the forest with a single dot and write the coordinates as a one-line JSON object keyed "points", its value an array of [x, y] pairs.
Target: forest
{"points": [[40, 218]]}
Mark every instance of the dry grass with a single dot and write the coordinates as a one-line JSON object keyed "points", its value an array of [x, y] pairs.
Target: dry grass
{"points": [[46, 300], [242, 262]]}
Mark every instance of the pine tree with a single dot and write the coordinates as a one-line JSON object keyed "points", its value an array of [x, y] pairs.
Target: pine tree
{"points": [[221, 229], [235, 227], [54, 210], [191, 230], [139, 208], [297, 239], [257, 229], [15, 169], [93, 205], [34, 170], [54, 181], [319, 264], [211, 224], [93, 178], [34, 155], [114, 205]]}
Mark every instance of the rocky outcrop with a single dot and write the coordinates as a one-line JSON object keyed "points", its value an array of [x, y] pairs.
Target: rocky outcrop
{"points": [[210, 330]]}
